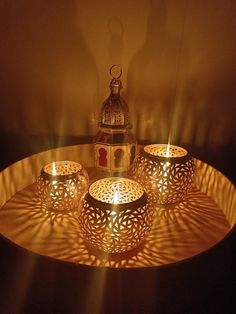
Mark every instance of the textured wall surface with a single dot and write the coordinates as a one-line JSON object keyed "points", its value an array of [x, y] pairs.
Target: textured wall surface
{"points": [[178, 60]]}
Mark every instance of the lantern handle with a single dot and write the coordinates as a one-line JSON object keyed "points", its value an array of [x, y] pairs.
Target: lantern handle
{"points": [[112, 72]]}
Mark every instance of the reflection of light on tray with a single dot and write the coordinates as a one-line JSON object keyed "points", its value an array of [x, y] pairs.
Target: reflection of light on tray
{"points": [[179, 231]]}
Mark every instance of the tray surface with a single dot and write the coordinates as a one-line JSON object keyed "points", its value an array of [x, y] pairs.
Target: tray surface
{"points": [[179, 231]]}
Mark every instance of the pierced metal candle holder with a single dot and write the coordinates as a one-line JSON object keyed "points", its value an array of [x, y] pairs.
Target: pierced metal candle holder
{"points": [[61, 185], [115, 215], [165, 171]]}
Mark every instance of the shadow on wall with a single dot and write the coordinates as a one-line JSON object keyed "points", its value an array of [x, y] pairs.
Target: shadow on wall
{"points": [[152, 77], [186, 84], [116, 41], [208, 97], [49, 77], [207, 115]]}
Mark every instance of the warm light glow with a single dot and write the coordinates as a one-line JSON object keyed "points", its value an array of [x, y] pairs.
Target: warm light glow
{"points": [[165, 150], [54, 171], [116, 190], [163, 172], [116, 198], [115, 214], [61, 184], [166, 168], [168, 151], [168, 146], [166, 165]]}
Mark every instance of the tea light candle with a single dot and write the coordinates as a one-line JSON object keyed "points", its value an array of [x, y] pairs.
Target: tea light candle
{"points": [[61, 184], [115, 215], [166, 171]]}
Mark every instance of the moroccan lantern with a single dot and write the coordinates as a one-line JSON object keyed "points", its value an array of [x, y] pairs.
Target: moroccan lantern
{"points": [[115, 145]]}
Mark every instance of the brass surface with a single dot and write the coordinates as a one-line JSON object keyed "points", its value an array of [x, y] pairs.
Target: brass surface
{"points": [[115, 215], [180, 231], [165, 179]]}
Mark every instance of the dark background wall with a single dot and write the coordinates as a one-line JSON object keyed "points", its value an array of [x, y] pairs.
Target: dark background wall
{"points": [[178, 60]]}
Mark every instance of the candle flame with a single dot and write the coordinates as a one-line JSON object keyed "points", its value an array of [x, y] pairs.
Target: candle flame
{"points": [[54, 171], [116, 198], [168, 150], [168, 146]]}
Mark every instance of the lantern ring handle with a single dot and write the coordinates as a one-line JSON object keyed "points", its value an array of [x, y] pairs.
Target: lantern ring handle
{"points": [[119, 67]]}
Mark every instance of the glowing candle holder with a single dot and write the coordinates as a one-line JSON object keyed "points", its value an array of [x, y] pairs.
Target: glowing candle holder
{"points": [[115, 215], [61, 185], [165, 171]]}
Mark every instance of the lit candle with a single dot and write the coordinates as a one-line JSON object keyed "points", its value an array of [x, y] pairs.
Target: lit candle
{"points": [[166, 171], [168, 150], [54, 170], [166, 164], [61, 184], [54, 173], [116, 198], [115, 214]]}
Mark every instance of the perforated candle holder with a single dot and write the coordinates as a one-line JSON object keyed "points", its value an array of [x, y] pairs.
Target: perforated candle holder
{"points": [[165, 171], [115, 215], [61, 185]]}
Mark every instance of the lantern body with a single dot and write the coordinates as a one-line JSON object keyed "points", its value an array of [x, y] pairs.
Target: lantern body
{"points": [[167, 179], [115, 215], [62, 189], [114, 150], [115, 146]]}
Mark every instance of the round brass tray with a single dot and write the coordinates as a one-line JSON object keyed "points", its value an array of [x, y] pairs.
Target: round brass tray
{"points": [[180, 231]]}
